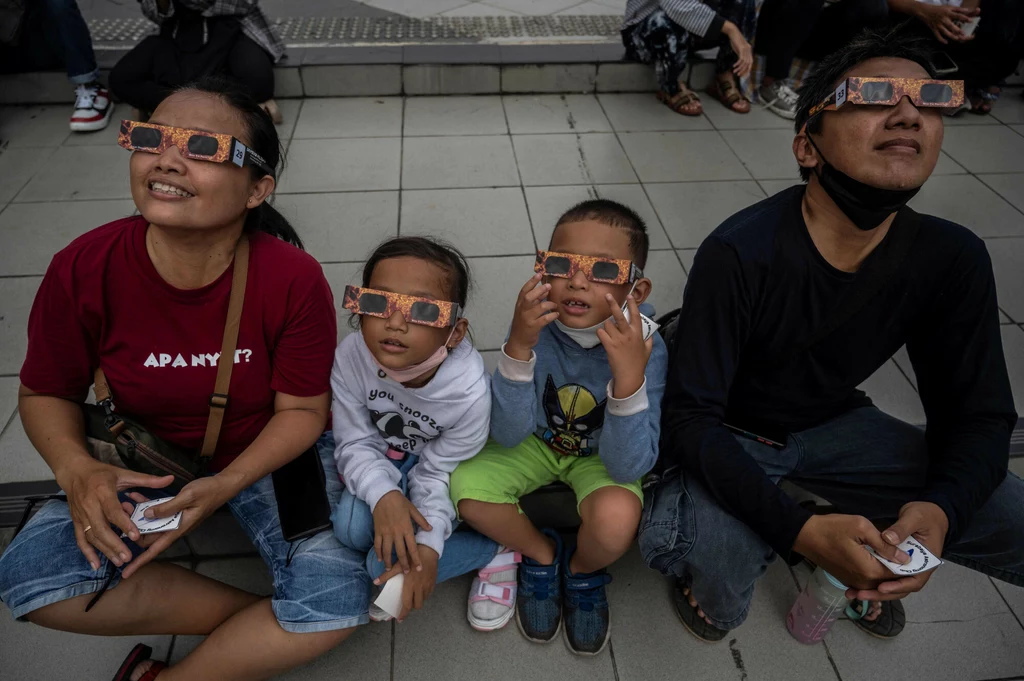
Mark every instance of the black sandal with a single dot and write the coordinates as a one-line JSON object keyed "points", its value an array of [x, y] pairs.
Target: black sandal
{"points": [[889, 623], [140, 653], [693, 622]]}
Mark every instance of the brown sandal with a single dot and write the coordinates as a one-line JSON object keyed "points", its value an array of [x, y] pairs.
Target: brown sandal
{"points": [[685, 102], [725, 91]]}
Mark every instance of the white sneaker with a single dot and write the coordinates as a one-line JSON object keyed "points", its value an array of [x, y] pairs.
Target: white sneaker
{"points": [[93, 108], [492, 598], [779, 98]]}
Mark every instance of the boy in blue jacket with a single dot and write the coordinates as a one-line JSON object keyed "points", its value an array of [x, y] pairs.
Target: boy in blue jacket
{"points": [[576, 398]]}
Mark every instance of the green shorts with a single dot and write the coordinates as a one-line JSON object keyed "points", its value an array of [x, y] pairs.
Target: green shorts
{"points": [[499, 475]]}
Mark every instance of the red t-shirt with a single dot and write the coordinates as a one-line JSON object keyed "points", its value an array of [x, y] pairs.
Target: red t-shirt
{"points": [[103, 302]]}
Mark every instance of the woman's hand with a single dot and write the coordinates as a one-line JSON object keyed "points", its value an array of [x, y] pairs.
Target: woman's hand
{"points": [[945, 21], [197, 501], [739, 44], [92, 488], [393, 517]]}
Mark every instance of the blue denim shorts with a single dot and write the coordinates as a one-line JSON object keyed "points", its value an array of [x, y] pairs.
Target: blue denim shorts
{"points": [[324, 587]]}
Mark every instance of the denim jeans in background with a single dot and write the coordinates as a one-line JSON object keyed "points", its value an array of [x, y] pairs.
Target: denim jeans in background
{"points": [[865, 462], [464, 551], [53, 35]]}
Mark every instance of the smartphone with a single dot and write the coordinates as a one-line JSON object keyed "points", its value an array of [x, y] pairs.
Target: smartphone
{"points": [[942, 64], [300, 487]]}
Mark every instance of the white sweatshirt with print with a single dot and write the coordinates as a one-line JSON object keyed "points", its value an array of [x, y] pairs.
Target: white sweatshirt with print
{"points": [[444, 422]]}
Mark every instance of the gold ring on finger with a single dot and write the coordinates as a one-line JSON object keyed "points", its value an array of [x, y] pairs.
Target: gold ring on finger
{"points": [[87, 528]]}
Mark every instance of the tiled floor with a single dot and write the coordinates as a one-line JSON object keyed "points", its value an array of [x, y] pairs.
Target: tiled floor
{"points": [[487, 8], [492, 174]]}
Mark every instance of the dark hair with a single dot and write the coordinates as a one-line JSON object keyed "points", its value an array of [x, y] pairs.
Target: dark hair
{"points": [[434, 251], [898, 42], [613, 214], [262, 137]]}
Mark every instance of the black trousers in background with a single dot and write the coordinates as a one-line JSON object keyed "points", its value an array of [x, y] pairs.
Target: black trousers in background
{"points": [[133, 79], [807, 28], [997, 48]]}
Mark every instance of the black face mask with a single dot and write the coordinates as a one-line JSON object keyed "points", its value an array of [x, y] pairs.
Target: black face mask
{"points": [[866, 206]]}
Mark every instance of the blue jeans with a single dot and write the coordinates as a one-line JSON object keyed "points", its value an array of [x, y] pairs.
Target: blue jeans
{"points": [[53, 35], [464, 551], [322, 587], [864, 462]]}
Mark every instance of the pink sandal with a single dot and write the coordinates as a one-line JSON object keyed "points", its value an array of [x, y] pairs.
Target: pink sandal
{"points": [[492, 598]]}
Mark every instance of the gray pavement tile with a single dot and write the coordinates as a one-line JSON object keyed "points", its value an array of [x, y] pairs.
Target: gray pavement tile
{"points": [[1007, 256], [25, 249], [342, 165], [340, 275], [290, 112], [479, 9], [986, 149], [1013, 350], [451, 79], [667, 279], [555, 78], [491, 359], [588, 8], [417, 8], [626, 77], [35, 125], [987, 647], [773, 187], [477, 221], [247, 574], [954, 592], [32, 652], [341, 227], [452, 162], [548, 203], [534, 7], [482, 115], [1017, 468], [1014, 595], [686, 256], [1009, 110], [19, 460], [1004, 318], [758, 118], [767, 154], [535, 114], [902, 359], [1010, 186], [966, 118], [336, 117], [468, 655], [642, 112], [219, 534], [16, 296], [490, 306], [352, 80], [18, 166], [105, 137], [692, 210], [8, 398], [651, 644], [672, 156], [1019, 129], [965, 200], [62, 177], [947, 166], [891, 392], [591, 158]]}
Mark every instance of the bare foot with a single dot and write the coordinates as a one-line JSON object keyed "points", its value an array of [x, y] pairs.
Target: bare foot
{"points": [[873, 612], [693, 604]]}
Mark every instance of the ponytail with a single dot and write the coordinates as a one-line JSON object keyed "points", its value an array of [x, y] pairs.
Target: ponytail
{"points": [[266, 218]]}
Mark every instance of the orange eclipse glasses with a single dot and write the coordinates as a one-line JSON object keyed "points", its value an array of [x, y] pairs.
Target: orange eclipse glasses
{"points": [[603, 270], [889, 91], [194, 144], [415, 309]]}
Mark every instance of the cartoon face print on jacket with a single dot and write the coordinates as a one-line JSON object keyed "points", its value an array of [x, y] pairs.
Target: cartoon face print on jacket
{"points": [[573, 414]]}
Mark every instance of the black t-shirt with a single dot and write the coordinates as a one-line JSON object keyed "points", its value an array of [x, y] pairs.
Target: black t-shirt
{"points": [[759, 289]]}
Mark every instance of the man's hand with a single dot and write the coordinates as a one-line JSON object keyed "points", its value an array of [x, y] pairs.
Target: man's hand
{"points": [[836, 542], [945, 20], [739, 44], [393, 517], [627, 350], [532, 314], [418, 585], [927, 522]]}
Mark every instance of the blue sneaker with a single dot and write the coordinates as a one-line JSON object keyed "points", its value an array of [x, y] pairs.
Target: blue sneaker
{"points": [[539, 601], [587, 620]]}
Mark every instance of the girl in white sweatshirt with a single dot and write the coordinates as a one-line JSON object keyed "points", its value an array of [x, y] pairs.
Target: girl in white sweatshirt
{"points": [[411, 400]]}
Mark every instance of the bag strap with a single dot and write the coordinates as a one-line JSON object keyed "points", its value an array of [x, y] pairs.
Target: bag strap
{"points": [[872, 279], [219, 398]]}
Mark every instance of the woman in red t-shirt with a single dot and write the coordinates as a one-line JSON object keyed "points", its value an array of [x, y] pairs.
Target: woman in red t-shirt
{"points": [[146, 298]]}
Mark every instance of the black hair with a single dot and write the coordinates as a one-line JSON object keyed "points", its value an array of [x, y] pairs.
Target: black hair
{"points": [[263, 139], [434, 251], [898, 42], [613, 214]]}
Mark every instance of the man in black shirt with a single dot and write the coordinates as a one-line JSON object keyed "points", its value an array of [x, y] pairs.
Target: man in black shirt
{"points": [[793, 303]]}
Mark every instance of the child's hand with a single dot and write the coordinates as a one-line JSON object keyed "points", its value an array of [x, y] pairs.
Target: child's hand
{"points": [[418, 585], [532, 314], [627, 350], [392, 527]]}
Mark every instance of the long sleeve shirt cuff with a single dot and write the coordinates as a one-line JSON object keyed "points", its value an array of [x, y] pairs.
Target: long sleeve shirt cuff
{"points": [[628, 406], [433, 538], [378, 486], [517, 370]]}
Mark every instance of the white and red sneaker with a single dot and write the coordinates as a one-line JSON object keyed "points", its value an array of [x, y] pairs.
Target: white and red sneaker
{"points": [[93, 108], [492, 598]]}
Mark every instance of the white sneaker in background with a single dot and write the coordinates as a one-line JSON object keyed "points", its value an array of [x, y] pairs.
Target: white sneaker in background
{"points": [[93, 108], [779, 98]]}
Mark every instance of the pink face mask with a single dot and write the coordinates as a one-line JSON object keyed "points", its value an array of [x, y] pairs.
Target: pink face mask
{"points": [[411, 373]]}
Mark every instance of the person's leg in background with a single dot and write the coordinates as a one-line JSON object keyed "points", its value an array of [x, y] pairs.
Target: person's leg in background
{"points": [[993, 54], [249, 64], [740, 15], [838, 23], [132, 79], [660, 41], [782, 27]]}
